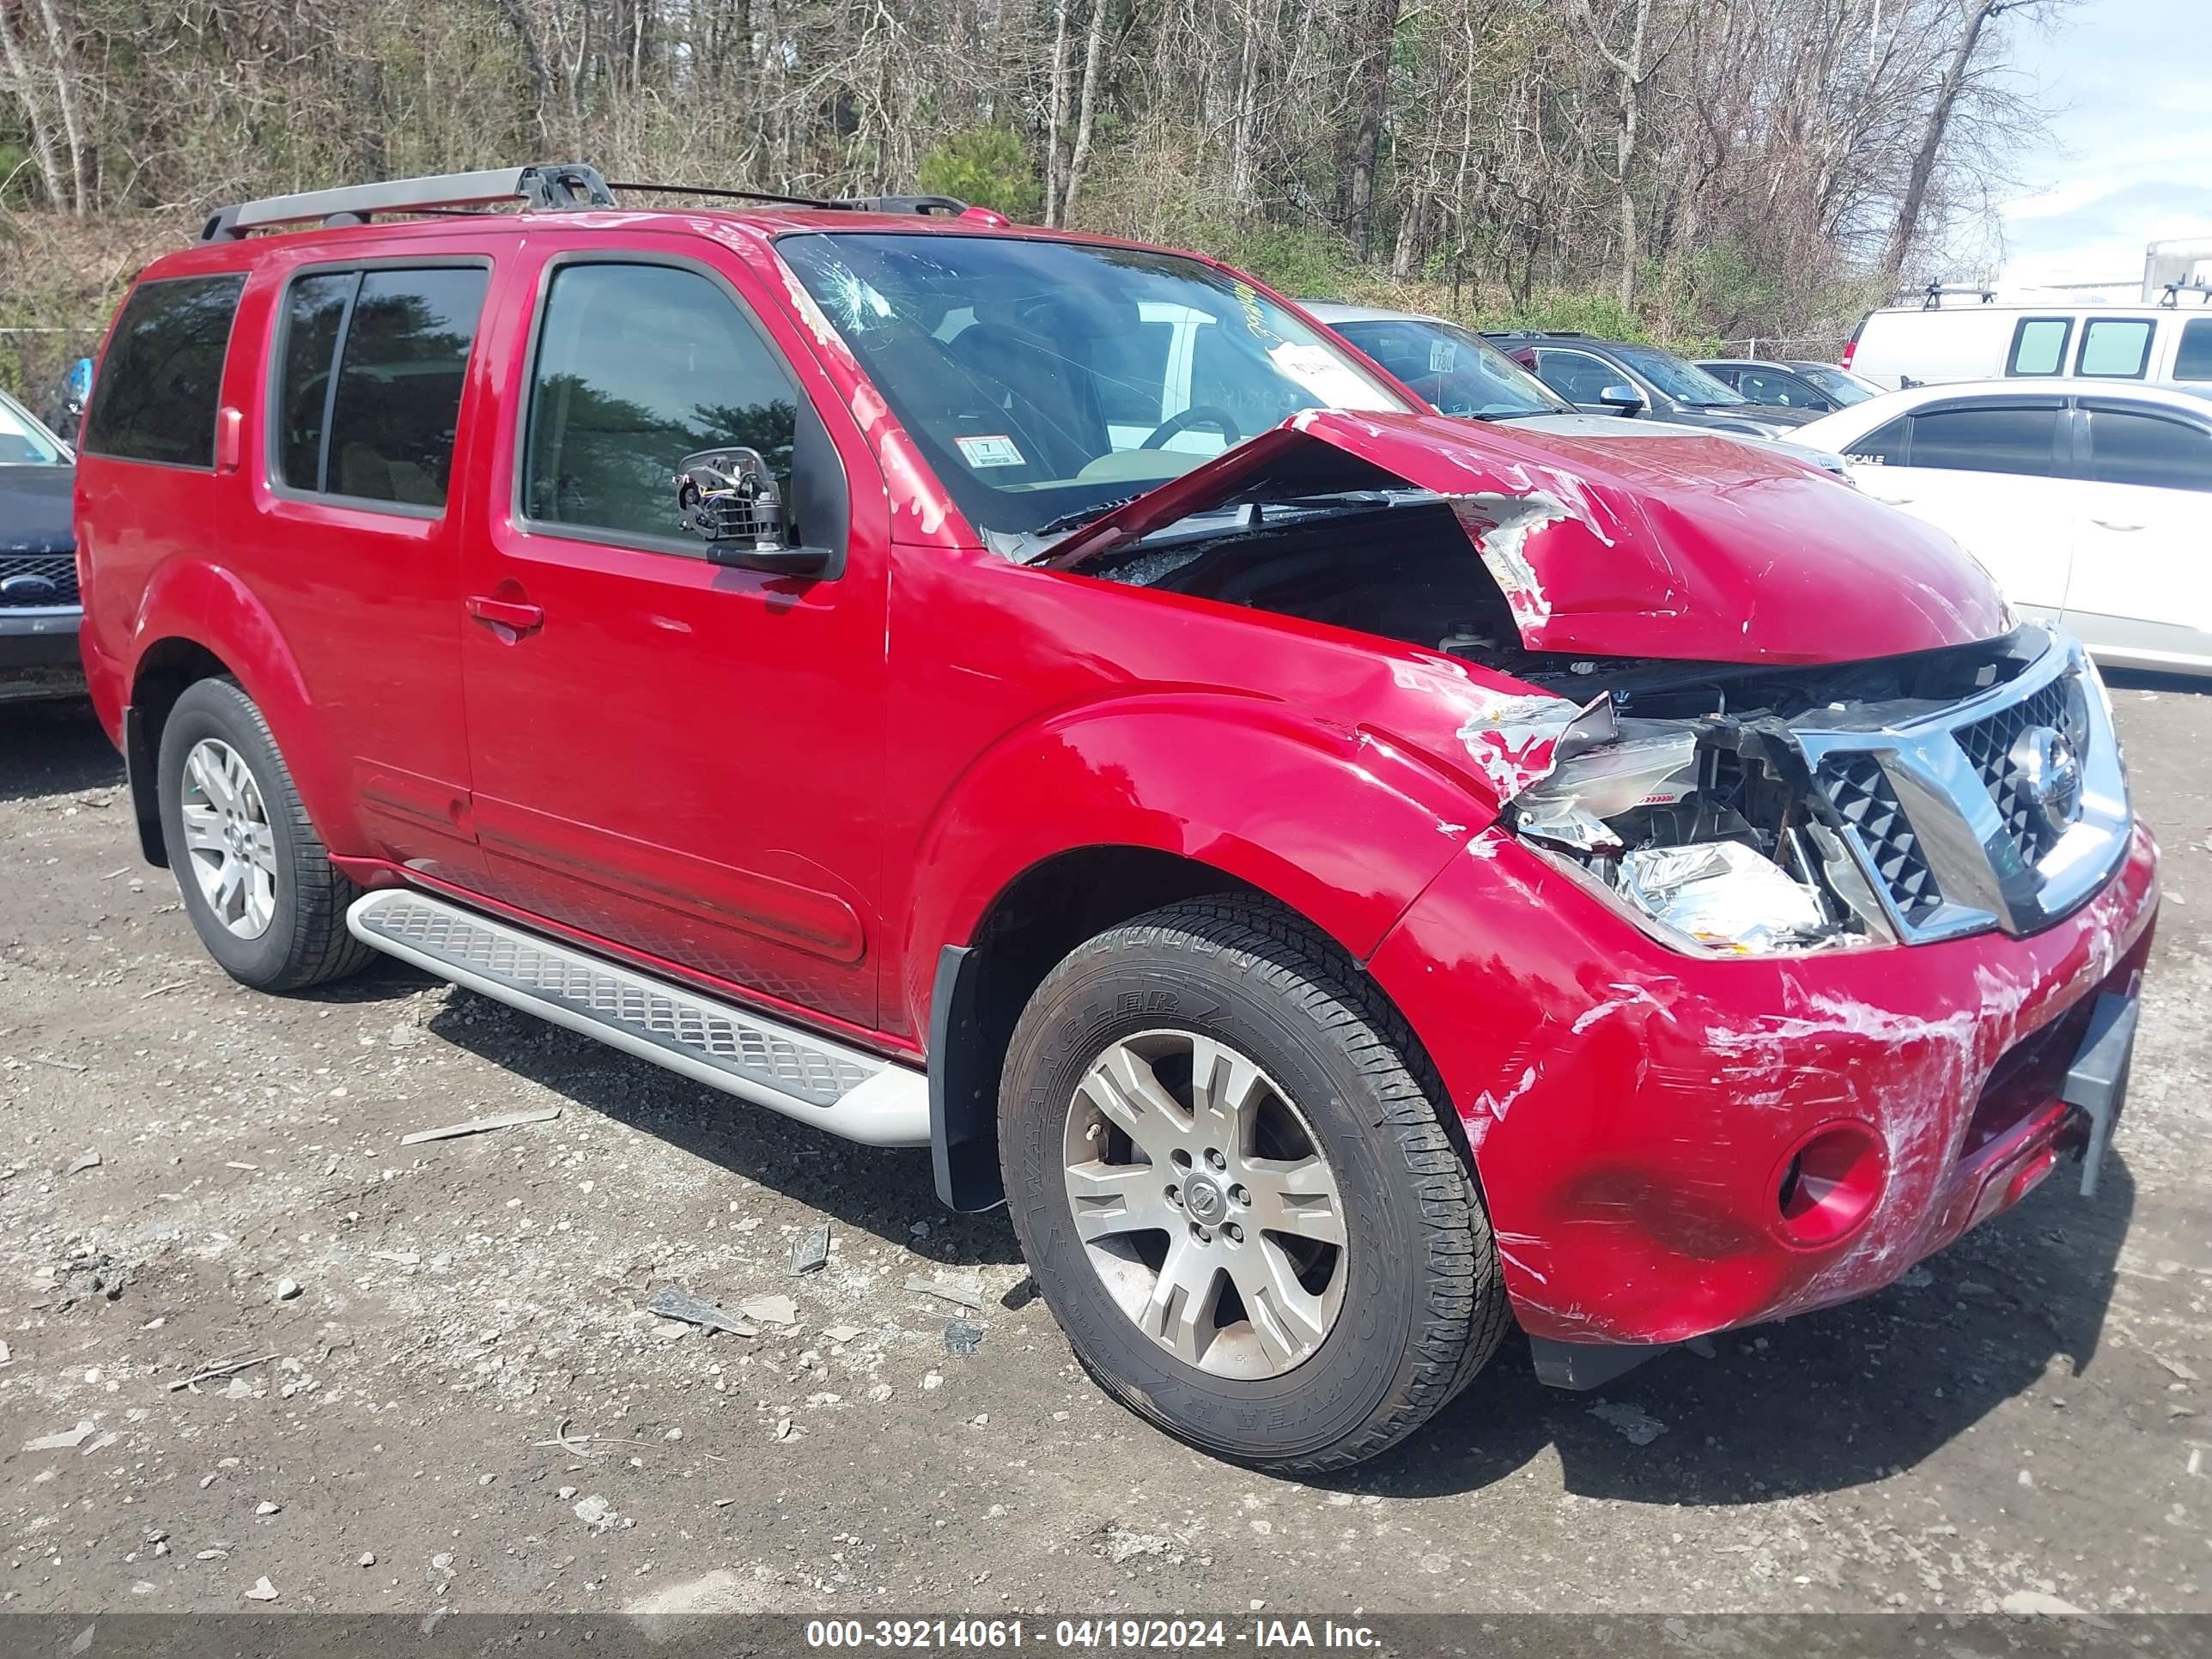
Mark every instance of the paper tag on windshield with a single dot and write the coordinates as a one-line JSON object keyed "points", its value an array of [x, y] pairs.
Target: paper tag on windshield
{"points": [[995, 449], [1332, 381], [1442, 354]]}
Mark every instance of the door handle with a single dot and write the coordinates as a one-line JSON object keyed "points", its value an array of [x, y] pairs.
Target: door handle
{"points": [[506, 613], [2113, 523]]}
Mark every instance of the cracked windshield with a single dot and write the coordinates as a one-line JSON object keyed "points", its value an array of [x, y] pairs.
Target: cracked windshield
{"points": [[1048, 383]]}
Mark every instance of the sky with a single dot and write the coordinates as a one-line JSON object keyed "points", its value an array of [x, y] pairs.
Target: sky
{"points": [[2130, 160]]}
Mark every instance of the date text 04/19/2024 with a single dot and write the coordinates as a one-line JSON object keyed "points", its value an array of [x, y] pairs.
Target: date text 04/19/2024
{"points": [[1255, 1635]]}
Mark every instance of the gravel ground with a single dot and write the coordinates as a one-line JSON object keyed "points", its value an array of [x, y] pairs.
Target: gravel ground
{"points": [[458, 1400]]}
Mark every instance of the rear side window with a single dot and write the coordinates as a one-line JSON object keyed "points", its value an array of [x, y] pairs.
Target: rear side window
{"points": [[2192, 360], [637, 367], [162, 376], [1885, 445], [370, 392], [2130, 447], [1999, 440], [2116, 347], [2039, 345]]}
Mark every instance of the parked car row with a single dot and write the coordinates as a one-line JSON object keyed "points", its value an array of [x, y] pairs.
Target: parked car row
{"points": [[1356, 849]]}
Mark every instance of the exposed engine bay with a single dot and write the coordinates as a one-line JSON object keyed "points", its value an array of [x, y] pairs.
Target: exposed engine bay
{"points": [[1677, 787]]}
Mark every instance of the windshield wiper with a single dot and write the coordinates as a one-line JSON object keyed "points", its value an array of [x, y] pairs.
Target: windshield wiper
{"points": [[1080, 517]]}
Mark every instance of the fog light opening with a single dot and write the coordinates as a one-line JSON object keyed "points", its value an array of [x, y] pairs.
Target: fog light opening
{"points": [[1826, 1187]]}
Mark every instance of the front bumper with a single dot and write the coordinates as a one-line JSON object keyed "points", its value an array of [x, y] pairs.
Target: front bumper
{"points": [[1628, 1107], [38, 651]]}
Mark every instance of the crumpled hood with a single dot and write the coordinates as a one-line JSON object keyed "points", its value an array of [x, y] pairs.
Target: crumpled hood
{"points": [[1696, 550]]}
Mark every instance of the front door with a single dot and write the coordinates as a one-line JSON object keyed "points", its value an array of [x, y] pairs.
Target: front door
{"points": [[675, 755], [2141, 587]]}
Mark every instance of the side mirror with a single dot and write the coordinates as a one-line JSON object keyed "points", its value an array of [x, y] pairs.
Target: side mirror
{"points": [[1621, 395], [729, 500]]}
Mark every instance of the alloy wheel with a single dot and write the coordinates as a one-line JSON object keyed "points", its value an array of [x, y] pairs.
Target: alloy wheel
{"points": [[228, 838], [1206, 1204]]}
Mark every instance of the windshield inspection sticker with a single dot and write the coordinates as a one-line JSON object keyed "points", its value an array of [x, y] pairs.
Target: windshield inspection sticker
{"points": [[995, 449], [1442, 354]]}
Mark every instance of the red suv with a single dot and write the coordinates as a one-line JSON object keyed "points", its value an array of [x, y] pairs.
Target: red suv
{"points": [[1348, 880]]}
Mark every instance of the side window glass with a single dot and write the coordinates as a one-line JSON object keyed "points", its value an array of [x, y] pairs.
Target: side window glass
{"points": [[2128, 448], [1576, 375], [637, 367], [2192, 360], [1885, 445], [314, 314], [1775, 389], [2039, 345], [369, 393], [162, 375], [399, 385], [1986, 439], [2115, 346]]}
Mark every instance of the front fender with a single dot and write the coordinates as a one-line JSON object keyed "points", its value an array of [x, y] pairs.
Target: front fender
{"points": [[204, 604], [1343, 827]]}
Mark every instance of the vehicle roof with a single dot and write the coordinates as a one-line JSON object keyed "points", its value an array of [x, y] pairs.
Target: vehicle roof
{"points": [[1742, 362], [2198, 400], [1332, 311], [2039, 307], [761, 224]]}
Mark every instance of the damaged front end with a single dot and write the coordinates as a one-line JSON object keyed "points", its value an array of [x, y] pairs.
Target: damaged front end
{"points": [[1757, 713], [1705, 831]]}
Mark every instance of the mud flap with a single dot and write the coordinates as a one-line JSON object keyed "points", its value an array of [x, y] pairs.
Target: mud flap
{"points": [[1581, 1365], [2097, 1082]]}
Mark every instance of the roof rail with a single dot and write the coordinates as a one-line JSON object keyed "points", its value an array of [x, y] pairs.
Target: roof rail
{"points": [[950, 206], [546, 185]]}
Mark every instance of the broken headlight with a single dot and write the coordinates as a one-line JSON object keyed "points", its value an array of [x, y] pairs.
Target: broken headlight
{"points": [[1699, 838]]}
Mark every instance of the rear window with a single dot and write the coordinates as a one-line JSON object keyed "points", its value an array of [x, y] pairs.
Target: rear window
{"points": [[1987, 440], [162, 376], [370, 395]]}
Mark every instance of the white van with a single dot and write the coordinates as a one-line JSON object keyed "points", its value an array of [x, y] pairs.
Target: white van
{"points": [[1922, 345]]}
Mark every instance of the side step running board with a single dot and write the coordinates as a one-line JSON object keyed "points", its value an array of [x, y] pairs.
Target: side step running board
{"points": [[803, 1075]]}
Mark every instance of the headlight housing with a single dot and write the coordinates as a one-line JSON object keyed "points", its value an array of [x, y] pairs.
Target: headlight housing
{"points": [[1699, 838]]}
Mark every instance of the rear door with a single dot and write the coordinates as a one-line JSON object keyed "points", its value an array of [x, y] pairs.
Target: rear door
{"points": [[677, 756], [2141, 587], [361, 476], [1985, 469]]}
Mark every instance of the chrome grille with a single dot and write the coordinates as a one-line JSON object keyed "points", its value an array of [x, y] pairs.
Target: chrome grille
{"points": [[1937, 810], [1861, 791], [57, 568]]}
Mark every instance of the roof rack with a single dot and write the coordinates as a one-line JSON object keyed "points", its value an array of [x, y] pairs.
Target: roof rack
{"points": [[2170, 295], [1931, 297], [545, 187]]}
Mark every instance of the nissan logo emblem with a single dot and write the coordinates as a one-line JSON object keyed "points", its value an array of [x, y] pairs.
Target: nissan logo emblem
{"points": [[2050, 778]]}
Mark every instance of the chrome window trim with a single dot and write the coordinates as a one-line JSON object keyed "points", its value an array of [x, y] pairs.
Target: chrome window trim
{"points": [[1984, 880]]}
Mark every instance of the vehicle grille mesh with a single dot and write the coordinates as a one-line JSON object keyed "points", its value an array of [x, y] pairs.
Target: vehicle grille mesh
{"points": [[1862, 793], [59, 569], [1988, 744]]}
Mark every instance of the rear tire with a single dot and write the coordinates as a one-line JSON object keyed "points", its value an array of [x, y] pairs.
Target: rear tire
{"points": [[255, 878], [1136, 1083]]}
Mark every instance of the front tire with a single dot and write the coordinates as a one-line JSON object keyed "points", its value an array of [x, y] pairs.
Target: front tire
{"points": [[1223, 1161], [255, 878]]}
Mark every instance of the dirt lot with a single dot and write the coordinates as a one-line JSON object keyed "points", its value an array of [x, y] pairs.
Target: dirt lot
{"points": [[463, 1403]]}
